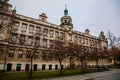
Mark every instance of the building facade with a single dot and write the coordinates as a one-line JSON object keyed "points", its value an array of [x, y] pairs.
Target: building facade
{"points": [[21, 35]]}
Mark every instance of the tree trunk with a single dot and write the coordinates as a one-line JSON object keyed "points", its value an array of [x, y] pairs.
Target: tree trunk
{"points": [[61, 73], [31, 63], [81, 60], [114, 60], [4, 70], [97, 64]]}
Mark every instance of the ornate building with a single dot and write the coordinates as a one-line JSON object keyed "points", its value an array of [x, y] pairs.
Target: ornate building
{"points": [[19, 40]]}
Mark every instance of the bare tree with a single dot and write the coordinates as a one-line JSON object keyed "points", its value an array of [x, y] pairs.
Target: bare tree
{"points": [[114, 53], [32, 47], [79, 51], [59, 51], [112, 39], [104, 54], [113, 43], [6, 21], [95, 54], [118, 56]]}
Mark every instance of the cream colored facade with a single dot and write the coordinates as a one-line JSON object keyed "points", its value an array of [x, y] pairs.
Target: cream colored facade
{"points": [[44, 33]]}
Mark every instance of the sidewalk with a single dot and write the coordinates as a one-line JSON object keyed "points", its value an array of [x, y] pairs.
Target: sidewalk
{"points": [[107, 75]]}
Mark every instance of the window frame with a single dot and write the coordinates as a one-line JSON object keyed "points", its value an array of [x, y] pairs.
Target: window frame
{"points": [[23, 27]]}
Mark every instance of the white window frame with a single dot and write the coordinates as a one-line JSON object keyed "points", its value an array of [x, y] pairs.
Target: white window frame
{"points": [[31, 29], [30, 40], [24, 28]]}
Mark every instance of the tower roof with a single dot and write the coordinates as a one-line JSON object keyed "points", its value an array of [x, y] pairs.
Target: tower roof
{"points": [[14, 8]]}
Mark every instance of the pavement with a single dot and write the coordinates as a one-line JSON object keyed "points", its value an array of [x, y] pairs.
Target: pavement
{"points": [[106, 75]]}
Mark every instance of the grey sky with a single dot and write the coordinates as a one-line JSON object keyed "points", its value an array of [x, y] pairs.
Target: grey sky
{"points": [[96, 15]]}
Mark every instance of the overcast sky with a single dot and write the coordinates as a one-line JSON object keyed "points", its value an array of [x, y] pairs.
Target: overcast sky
{"points": [[96, 15]]}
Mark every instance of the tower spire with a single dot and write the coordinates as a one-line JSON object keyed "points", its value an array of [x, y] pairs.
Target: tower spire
{"points": [[65, 11], [65, 6]]}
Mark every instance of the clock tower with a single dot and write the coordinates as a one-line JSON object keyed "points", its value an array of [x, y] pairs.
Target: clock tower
{"points": [[66, 20]]}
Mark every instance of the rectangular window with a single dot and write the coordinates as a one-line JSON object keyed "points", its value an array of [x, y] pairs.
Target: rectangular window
{"points": [[20, 53], [16, 26], [35, 55], [38, 30], [31, 29], [76, 39], [51, 33], [51, 44], [50, 57], [93, 42], [45, 32], [87, 41], [30, 40], [83, 40], [37, 42], [79, 39], [22, 39], [56, 34], [70, 37], [61, 35], [11, 53], [13, 38], [50, 67], [90, 42], [1, 50], [44, 56], [56, 67], [28, 54], [44, 43], [24, 28]]}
